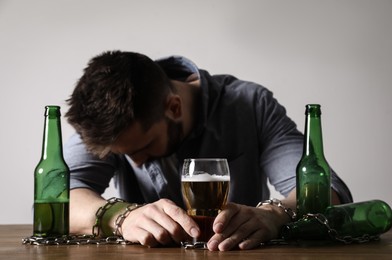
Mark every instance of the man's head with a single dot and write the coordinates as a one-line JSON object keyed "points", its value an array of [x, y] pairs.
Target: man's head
{"points": [[160, 140], [116, 90]]}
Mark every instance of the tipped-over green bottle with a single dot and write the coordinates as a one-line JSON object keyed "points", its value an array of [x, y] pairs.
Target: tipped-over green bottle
{"points": [[353, 220], [51, 181]]}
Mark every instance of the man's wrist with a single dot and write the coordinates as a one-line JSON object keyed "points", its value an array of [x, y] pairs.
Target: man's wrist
{"points": [[104, 216], [121, 217], [108, 227], [279, 204]]}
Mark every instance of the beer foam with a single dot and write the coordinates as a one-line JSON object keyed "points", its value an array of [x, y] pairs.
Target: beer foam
{"points": [[205, 177]]}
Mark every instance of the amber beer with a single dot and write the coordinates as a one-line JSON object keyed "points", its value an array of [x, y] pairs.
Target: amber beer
{"points": [[204, 196]]}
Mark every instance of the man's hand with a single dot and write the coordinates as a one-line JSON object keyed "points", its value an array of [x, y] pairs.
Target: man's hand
{"points": [[244, 227], [159, 223]]}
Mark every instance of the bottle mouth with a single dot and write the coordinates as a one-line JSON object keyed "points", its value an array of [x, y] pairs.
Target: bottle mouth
{"points": [[313, 109], [52, 111]]}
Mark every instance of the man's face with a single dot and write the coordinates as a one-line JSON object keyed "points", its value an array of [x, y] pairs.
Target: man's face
{"points": [[162, 139]]}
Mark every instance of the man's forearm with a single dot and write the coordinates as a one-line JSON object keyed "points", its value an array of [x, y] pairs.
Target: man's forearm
{"points": [[84, 203]]}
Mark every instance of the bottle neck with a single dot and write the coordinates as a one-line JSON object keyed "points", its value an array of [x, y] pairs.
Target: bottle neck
{"points": [[52, 142], [313, 135]]}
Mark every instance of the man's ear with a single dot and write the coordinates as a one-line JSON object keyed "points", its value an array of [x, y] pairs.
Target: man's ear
{"points": [[174, 107]]}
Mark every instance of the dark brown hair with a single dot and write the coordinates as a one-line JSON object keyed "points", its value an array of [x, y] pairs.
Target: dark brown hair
{"points": [[116, 89]]}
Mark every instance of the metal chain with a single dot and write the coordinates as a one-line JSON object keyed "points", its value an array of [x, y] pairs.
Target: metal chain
{"points": [[91, 239], [195, 245], [95, 238], [334, 235], [100, 212], [75, 240], [290, 213], [120, 219]]}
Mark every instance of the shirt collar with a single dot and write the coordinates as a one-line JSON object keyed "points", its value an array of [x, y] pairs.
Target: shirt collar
{"points": [[178, 67]]}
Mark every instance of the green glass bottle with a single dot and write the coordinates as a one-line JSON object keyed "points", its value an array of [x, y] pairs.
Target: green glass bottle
{"points": [[313, 175], [51, 181], [371, 218]]}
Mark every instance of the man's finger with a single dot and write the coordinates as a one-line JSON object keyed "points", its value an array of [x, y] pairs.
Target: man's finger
{"points": [[224, 217], [242, 233], [182, 218]]}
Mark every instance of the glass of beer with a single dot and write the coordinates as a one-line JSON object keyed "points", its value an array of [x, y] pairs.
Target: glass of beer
{"points": [[205, 188]]}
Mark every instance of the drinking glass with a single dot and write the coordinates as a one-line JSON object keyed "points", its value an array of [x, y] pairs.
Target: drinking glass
{"points": [[205, 187]]}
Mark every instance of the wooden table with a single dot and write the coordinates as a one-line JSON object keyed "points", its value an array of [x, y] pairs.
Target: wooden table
{"points": [[11, 247]]}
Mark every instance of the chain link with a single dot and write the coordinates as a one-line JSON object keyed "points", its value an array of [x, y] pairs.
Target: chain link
{"points": [[75, 240], [96, 237], [118, 239], [120, 219], [91, 239], [290, 213], [100, 212]]}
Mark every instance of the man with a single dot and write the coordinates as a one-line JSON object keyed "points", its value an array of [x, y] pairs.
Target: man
{"points": [[137, 120]]}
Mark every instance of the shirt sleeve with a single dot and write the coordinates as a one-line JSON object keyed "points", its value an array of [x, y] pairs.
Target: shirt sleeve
{"points": [[282, 146], [87, 171]]}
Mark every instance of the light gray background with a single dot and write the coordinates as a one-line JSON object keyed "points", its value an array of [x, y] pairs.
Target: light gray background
{"points": [[336, 53]]}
